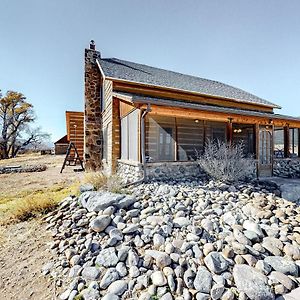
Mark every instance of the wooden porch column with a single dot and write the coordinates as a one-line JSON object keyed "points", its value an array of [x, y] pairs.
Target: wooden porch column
{"points": [[286, 132], [229, 132], [256, 140], [298, 130]]}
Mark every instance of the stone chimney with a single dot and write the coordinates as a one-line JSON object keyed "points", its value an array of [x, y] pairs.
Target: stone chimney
{"points": [[92, 110]]}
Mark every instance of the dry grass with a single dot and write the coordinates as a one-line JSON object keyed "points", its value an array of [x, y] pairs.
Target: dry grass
{"points": [[102, 182], [34, 203], [26, 195]]}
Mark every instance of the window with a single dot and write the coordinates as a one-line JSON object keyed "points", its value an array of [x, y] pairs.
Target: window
{"points": [[243, 133], [166, 144], [129, 136], [104, 150], [102, 98], [293, 147], [179, 139], [216, 131], [278, 142], [160, 139], [124, 138], [190, 138]]}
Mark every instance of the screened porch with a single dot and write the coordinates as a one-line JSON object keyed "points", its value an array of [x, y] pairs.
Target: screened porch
{"points": [[171, 139]]}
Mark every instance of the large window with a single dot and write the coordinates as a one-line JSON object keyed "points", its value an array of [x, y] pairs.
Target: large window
{"points": [[104, 134], [278, 142], [129, 136], [216, 131], [179, 139], [293, 147], [190, 138], [160, 139], [243, 133]]}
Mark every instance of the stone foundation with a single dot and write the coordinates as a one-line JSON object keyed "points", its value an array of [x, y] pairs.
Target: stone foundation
{"points": [[287, 168], [133, 171], [173, 170], [129, 171]]}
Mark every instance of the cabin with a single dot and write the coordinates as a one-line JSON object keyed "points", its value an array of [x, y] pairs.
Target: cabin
{"points": [[75, 134], [61, 145], [144, 122], [75, 130]]}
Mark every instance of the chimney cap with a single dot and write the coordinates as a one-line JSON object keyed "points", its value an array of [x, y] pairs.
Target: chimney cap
{"points": [[92, 45]]}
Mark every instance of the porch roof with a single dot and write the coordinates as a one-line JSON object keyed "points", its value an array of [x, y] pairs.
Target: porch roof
{"points": [[209, 108]]}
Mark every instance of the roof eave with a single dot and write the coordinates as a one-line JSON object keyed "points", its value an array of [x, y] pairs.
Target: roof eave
{"points": [[231, 111]]}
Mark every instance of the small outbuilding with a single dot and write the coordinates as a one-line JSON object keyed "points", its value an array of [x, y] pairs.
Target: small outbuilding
{"points": [[61, 145]]}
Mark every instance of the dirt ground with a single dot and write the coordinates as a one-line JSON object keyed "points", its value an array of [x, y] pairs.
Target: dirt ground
{"points": [[13, 184], [22, 255], [23, 246]]}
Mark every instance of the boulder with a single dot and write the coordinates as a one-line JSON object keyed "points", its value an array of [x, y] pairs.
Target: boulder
{"points": [[100, 223], [107, 257], [252, 283], [203, 280], [216, 263], [96, 201], [290, 192], [283, 265]]}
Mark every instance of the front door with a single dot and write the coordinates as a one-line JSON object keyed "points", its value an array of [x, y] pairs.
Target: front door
{"points": [[265, 151]]}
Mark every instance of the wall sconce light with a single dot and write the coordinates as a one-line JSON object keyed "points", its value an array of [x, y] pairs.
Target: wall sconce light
{"points": [[239, 130], [196, 121]]}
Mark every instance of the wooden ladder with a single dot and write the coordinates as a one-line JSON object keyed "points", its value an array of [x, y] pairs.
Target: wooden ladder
{"points": [[72, 160]]}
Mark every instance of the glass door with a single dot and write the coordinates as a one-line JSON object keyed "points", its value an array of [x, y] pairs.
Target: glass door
{"points": [[265, 154]]}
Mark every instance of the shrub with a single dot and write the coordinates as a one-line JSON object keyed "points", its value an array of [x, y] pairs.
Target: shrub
{"points": [[97, 179], [225, 162], [101, 181]]}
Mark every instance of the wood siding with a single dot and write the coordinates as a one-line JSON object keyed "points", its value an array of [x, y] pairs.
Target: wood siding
{"points": [[219, 116], [75, 130], [111, 121]]}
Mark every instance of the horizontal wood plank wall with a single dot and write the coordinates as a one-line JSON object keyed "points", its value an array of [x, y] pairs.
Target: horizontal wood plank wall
{"points": [[190, 136], [111, 121], [161, 93], [218, 116], [75, 130]]}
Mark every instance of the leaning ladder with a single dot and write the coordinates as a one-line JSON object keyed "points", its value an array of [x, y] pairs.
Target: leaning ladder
{"points": [[71, 159]]}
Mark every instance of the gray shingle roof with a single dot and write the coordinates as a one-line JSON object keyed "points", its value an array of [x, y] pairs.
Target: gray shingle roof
{"points": [[130, 71]]}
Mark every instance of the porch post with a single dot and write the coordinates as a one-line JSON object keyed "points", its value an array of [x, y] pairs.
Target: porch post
{"points": [[229, 132], [286, 141], [298, 135], [256, 140]]}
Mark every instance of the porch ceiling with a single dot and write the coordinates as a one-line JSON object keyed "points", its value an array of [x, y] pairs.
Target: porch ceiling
{"points": [[236, 114]]}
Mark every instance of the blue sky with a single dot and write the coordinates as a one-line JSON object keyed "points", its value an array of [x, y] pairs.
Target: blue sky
{"points": [[253, 45]]}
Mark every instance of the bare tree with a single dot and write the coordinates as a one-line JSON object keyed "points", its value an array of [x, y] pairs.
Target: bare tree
{"points": [[16, 116]]}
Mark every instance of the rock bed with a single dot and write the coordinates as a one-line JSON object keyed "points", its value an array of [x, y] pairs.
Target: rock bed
{"points": [[287, 168], [173, 240]]}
